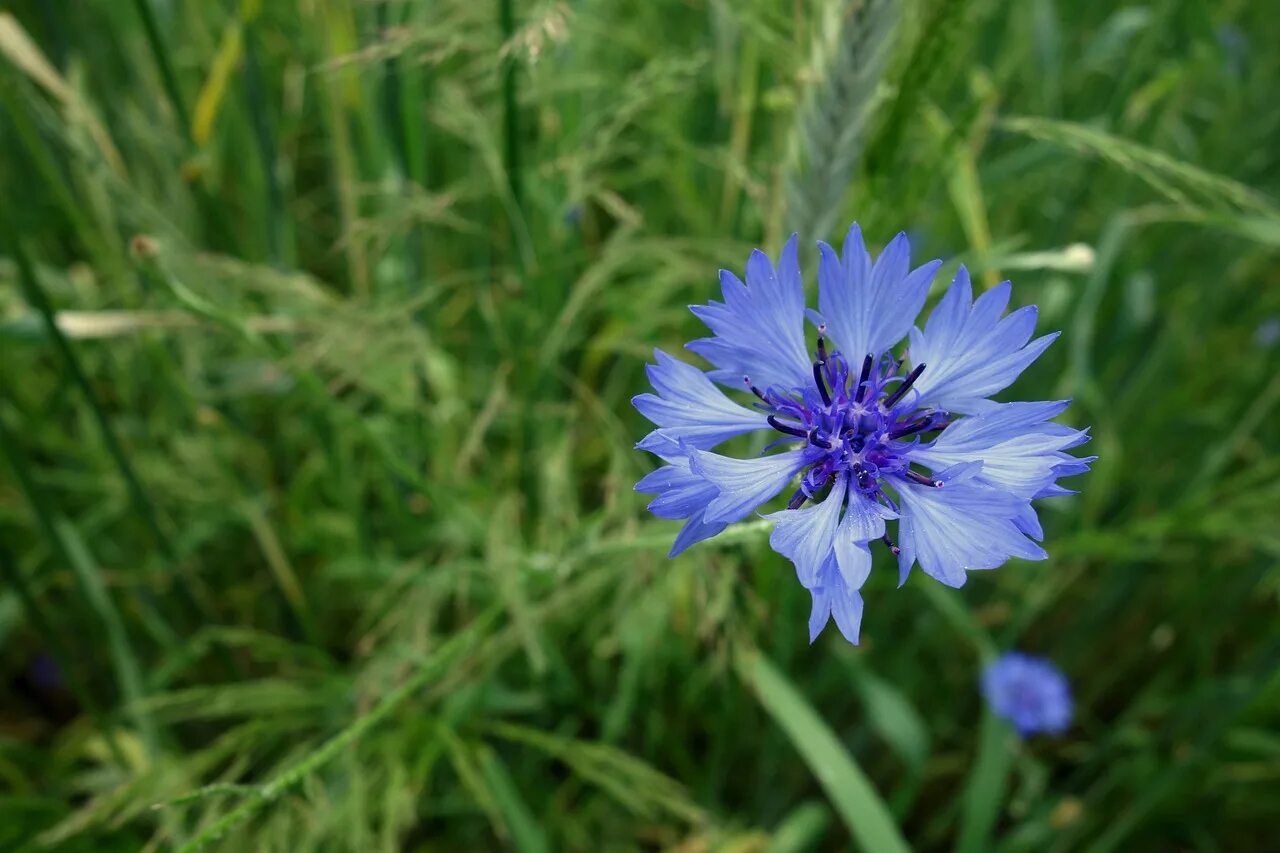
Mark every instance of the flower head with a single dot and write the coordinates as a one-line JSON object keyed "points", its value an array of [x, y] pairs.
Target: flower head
{"points": [[869, 436], [1029, 692], [1267, 333]]}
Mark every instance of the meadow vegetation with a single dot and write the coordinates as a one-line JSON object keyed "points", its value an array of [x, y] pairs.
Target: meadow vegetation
{"points": [[320, 321]]}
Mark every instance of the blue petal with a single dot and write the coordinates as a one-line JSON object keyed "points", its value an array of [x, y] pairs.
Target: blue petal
{"points": [[870, 308], [806, 536], [962, 526], [970, 353], [820, 613], [834, 598], [863, 521], [846, 607], [1029, 523], [1054, 491], [759, 328], [744, 484], [1020, 452], [695, 530], [681, 492], [1073, 466], [689, 407]]}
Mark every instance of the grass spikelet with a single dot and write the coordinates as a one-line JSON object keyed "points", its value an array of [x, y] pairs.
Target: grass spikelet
{"points": [[845, 76]]}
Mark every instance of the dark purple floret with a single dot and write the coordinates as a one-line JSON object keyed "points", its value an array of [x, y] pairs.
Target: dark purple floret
{"points": [[864, 426]]}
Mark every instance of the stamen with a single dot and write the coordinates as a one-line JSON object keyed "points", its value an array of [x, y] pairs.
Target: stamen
{"points": [[862, 379], [822, 345], [902, 389], [818, 441], [787, 428], [822, 386], [797, 500], [754, 389], [918, 425], [863, 476], [893, 549], [922, 479], [925, 424]]}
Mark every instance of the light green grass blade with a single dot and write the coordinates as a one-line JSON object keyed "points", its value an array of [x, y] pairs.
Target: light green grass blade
{"points": [[863, 811], [800, 830]]}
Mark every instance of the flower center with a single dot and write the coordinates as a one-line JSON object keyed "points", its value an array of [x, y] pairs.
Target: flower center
{"points": [[864, 423]]}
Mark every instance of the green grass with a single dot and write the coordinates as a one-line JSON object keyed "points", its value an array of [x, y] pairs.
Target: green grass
{"points": [[319, 323]]}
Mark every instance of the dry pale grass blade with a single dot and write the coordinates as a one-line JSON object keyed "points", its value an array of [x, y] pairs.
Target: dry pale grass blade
{"points": [[16, 45], [90, 325]]}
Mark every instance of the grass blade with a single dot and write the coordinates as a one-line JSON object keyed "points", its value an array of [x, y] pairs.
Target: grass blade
{"points": [[526, 835], [984, 794], [864, 812], [155, 41], [123, 659], [34, 294], [286, 780], [800, 830], [1180, 182]]}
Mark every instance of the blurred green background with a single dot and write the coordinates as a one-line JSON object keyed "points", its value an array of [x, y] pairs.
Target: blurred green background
{"points": [[320, 322]]}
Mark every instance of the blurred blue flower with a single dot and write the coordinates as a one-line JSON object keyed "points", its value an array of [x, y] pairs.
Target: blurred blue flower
{"points": [[858, 425], [1235, 48], [1267, 334], [1029, 692]]}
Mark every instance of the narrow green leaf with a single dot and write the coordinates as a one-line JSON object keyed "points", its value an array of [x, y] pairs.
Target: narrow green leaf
{"points": [[800, 830], [526, 835], [123, 660], [894, 718], [985, 792], [864, 812]]}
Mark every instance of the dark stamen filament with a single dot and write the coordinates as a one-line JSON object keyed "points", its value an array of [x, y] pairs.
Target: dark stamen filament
{"points": [[754, 389], [822, 386], [819, 441], [787, 428], [797, 500], [923, 480], [918, 425], [893, 549], [902, 389], [862, 379]]}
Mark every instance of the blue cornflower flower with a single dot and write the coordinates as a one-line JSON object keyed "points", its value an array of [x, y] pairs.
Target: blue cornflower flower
{"points": [[1267, 333], [1029, 692], [860, 424]]}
